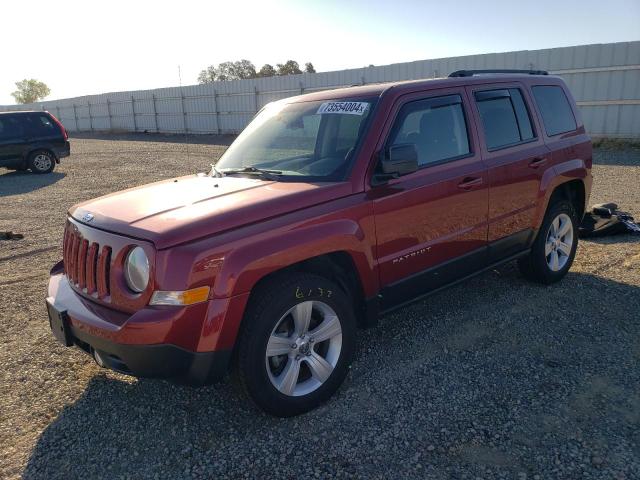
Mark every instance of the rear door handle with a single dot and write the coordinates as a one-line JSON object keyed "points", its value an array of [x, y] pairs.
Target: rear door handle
{"points": [[470, 182], [537, 162]]}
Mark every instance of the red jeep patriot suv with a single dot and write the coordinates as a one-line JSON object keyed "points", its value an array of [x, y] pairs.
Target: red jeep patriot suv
{"points": [[329, 209]]}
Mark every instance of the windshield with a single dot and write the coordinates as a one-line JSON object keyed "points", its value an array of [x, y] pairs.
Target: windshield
{"points": [[303, 139]]}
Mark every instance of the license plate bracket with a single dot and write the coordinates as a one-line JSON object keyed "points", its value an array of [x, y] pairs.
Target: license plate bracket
{"points": [[59, 323]]}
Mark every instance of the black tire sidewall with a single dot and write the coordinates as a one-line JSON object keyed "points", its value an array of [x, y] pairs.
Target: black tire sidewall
{"points": [[262, 317], [538, 257], [32, 157]]}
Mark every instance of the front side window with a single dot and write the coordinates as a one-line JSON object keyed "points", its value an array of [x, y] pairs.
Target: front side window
{"points": [[436, 126], [505, 118], [556, 112], [315, 140]]}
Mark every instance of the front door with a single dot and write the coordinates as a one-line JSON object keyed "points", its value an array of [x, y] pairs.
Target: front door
{"points": [[431, 225]]}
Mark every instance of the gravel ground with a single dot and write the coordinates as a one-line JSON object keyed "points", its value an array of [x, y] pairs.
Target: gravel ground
{"points": [[495, 378]]}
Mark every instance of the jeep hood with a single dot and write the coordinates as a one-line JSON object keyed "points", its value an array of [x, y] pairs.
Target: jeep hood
{"points": [[186, 208]]}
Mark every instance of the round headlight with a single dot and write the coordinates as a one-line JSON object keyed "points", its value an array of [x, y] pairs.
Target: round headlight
{"points": [[136, 270]]}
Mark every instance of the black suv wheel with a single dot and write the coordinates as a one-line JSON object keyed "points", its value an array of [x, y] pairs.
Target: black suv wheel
{"points": [[296, 344], [41, 161]]}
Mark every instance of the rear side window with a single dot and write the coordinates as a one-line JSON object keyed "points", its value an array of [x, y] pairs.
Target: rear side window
{"points": [[505, 118], [557, 115], [436, 126], [10, 127]]}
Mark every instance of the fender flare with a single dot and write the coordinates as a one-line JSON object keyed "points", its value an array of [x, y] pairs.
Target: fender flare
{"points": [[244, 267]]}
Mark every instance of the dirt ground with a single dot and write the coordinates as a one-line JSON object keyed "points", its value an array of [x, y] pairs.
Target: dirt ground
{"points": [[495, 378]]}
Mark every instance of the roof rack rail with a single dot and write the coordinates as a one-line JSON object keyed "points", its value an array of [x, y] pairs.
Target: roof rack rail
{"points": [[471, 73]]}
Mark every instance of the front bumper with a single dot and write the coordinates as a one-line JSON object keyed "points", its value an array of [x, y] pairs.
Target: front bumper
{"points": [[189, 344]]}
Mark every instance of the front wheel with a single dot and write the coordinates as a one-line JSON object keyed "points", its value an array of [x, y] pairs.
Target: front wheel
{"points": [[555, 246], [296, 345]]}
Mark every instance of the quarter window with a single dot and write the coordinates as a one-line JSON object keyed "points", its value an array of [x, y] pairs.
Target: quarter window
{"points": [[41, 125], [556, 112], [505, 118], [436, 127]]}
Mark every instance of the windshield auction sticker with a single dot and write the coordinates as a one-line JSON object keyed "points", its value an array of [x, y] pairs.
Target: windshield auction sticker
{"points": [[345, 108]]}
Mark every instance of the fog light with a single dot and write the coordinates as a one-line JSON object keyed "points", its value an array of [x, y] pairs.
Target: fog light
{"points": [[186, 297]]}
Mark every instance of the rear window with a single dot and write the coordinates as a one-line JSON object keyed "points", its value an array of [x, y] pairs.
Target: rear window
{"points": [[556, 112], [505, 118]]}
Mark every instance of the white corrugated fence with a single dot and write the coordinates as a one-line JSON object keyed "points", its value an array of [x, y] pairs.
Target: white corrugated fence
{"points": [[604, 79]]}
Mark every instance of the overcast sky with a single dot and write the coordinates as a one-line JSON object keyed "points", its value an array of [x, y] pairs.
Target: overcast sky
{"points": [[87, 47]]}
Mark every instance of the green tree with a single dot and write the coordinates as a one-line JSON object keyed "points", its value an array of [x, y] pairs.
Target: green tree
{"points": [[290, 67], [228, 71], [308, 67], [30, 91], [244, 69], [267, 71]]}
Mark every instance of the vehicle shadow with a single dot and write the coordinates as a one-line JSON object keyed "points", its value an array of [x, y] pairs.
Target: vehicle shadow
{"points": [[146, 428], [17, 183]]}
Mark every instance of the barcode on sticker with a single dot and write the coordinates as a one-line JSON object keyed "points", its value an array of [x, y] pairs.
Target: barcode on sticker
{"points": [[348, 108]]}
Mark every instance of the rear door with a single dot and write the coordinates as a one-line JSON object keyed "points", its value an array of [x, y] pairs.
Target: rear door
{"points": [[12, 139], [517, 160], [431, 225]]}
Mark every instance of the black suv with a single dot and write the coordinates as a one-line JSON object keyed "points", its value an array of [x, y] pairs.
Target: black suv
{"points": [[32, 140]]}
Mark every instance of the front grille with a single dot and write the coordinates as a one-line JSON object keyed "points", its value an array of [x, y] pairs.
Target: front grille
{"points": [[86, 264]]}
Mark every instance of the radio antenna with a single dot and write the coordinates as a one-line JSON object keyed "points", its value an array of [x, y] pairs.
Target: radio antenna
{"points": [[184, 113]]}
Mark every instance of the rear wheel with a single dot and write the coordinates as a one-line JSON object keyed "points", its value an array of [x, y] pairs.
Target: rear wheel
{"points": [[296, 345], [41, 161], [555, 246]]}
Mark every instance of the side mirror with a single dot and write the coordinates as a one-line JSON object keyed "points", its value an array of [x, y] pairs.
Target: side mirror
{"points": [[399, 160]]}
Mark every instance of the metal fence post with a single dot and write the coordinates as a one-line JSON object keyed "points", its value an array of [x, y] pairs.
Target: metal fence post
{"points": [[75, 117], [301, 88], [58, 113], [90, 119], [155, 112], [109, 113], [133, 113], [215, 111], [184, 113], [255, 89]]}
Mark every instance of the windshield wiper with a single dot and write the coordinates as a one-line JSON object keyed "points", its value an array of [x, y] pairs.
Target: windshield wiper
{"points": [[215, 172], [268, 174]]}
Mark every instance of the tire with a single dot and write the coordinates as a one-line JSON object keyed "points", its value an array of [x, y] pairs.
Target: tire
{"points": [[303, 372], [552, 255], [41, 161]]}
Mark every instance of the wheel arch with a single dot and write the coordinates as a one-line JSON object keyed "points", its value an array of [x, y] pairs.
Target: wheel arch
{"points": [[337, 266], [574, 191]]}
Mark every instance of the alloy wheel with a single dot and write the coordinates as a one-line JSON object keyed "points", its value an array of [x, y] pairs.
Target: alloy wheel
{"points": [[304, 348], [42, 162], [557, 248]]}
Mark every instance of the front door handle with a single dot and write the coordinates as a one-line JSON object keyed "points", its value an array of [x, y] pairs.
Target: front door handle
{"points": [[537, 162], [470, 182]]}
